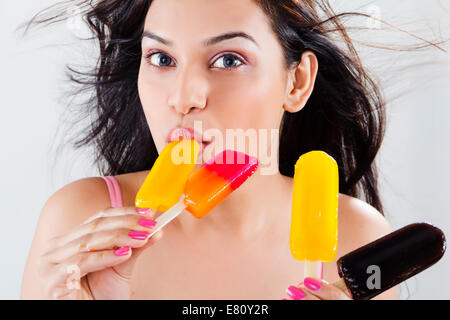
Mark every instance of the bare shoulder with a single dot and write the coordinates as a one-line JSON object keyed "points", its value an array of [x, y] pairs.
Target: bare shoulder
{"points": [[78, 200], [75, 202], [359, 224]]}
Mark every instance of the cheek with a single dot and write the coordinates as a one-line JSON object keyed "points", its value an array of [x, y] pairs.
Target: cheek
{"points": [[152, 90], [148, 90], [254, 101], [157, 117]]}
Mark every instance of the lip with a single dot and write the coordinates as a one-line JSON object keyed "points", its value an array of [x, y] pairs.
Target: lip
{"points": [[176, 134]]}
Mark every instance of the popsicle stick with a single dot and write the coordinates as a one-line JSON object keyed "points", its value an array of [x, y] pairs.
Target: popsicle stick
{"points": [[313, 269], [168, 216]]}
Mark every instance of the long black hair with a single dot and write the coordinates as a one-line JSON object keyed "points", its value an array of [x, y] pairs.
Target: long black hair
{"points": [[345, 115]]}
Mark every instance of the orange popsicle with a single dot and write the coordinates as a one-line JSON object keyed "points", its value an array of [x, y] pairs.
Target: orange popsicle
{"points": [[164, 184], [210, 184], [314, 229], [216, 179]]}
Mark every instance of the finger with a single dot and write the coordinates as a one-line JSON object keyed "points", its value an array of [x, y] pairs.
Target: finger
{"points": [[108, 212], [102, 240], [323, 290], [146, 212], [112, 212], [100, 260], [75, 294], [53, 285], [63, 294], [130, 221], [64, 280], [126, 269], [295, 293], [61, 282]]}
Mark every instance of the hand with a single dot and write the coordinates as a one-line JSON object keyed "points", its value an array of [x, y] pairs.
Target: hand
{"points": [[95, 260], [315, 289]]}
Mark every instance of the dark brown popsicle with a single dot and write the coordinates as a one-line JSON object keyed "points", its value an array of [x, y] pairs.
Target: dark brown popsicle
{"points": [[395, 257]]}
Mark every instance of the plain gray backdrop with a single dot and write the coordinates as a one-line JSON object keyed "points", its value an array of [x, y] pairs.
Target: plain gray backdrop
{"points": [[414, 160]]}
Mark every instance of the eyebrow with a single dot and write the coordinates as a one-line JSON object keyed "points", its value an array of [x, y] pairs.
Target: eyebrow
{"points": [[207, 42]]}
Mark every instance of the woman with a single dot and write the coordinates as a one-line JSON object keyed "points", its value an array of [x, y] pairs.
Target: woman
{"points": [[165, 65]]}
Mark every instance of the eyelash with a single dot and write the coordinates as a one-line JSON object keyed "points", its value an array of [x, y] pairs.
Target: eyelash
{"points": [[151, 53]]}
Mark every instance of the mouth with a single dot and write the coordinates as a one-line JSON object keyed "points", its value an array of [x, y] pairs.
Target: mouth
{"points": [[177, 134]]}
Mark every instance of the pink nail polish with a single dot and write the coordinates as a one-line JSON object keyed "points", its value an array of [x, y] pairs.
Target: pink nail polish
{"points": [[142, 210], [138, 235], [295, 293], [122, 251], [312, 284], [148, 223]]}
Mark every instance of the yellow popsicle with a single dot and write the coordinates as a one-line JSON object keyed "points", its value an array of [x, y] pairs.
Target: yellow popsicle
{"points": [[164, 185], [314, 223]]}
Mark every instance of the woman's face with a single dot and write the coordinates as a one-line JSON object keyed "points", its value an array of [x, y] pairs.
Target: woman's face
{"points": [[190, 72]]}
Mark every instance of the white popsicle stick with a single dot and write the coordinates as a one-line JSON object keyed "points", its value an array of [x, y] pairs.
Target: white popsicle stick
{"points": [[168, 216], [313, 269]]}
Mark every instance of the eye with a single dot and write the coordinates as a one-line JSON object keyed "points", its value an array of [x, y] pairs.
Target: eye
{"points": [[158, 59], [228, 61]]}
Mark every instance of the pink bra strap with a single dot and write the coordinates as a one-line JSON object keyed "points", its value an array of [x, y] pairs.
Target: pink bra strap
{"points": [[115, 195]]}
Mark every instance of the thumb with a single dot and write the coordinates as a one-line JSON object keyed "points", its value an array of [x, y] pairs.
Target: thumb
{"points": [[125, 269]]}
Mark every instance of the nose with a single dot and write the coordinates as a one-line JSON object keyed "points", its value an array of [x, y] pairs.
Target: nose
{"points": [[189, 92]]}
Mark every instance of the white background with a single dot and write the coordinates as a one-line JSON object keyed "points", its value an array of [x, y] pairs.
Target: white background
{"points": [[414, 160]]}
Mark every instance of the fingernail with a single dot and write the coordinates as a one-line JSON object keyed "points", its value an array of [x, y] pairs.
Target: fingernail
{"points": [[122, 251], [284, 299], [142, 210], [312, 284], [148, 223], [295, 293], [138, 235]]}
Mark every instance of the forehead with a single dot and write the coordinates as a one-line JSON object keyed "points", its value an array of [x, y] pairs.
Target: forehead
{"points": [[197, 19]]}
